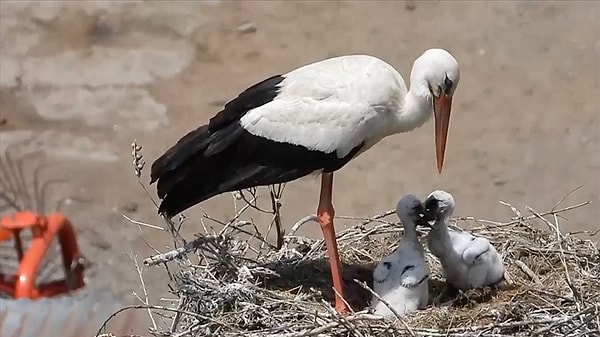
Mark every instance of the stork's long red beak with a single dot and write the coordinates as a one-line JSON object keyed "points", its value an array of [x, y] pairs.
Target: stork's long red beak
{"points": [[441, 110]]}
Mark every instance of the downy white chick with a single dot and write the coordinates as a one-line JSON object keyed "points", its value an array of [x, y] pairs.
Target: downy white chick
{"points": [[400, 279], [467, 261]]}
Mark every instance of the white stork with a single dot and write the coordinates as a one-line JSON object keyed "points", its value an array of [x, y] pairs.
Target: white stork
{"points": [[313, 119]]}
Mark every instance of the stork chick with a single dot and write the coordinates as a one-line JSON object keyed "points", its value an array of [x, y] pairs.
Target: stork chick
{"points": [[401, 278], [467, 261]]}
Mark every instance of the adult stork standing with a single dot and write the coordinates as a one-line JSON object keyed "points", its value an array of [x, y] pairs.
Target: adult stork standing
{"points": [[315, 118]]}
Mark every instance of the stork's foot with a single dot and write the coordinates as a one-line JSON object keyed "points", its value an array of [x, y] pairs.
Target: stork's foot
{"points": [[342, 309], [355, 300]]}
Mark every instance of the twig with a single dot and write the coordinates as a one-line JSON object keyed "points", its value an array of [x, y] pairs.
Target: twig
{"points": [[370, 219], [145, 300], [153, 307], [300, 223], [173, 230], [530, 217], [528, 271], [327, 327], [341, 318], [145, 224], [175, 321], [236, 223], [178, 252], [586, 232], [559, 237], [398, 316], [189, 330], [565, 197], [564, 320], [254, 194], [276, 206], [233, 220]]}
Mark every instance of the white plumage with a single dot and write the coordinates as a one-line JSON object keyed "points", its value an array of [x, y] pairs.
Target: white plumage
{"points": [[400, 279], [336, 104], [467, 261]]}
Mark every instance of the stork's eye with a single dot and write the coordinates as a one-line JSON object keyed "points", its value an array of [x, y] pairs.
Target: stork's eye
{"points": [[448, 85]]}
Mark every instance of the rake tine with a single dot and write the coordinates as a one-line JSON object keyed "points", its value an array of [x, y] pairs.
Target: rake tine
{"points": [[45, 187], [9, 183], [9, 202], [39, 202], [39, 193], [17, 175], [27, 200]]}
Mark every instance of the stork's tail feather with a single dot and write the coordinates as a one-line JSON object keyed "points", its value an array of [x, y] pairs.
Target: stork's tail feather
{"points": [[203, 164], [185, 148], [183, 197], [172, 170]]}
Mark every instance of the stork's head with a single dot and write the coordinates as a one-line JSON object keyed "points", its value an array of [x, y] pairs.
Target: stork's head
{"points": [[437, 71], [410, 210], [439, 205]]}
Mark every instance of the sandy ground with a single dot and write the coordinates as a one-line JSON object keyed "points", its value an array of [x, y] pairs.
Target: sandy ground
{"points": [[86, 78]]}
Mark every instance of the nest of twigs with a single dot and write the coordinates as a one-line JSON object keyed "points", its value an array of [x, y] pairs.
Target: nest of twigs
{"points": [[232, 287], [235, 283]]}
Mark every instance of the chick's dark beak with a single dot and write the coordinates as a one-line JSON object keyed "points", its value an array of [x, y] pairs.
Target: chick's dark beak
{"points": [[428, 216], [421, 214], [430, 207], [423, 222]]}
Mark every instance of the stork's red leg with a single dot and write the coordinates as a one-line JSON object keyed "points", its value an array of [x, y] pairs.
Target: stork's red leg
{"points": [[325, 214]]}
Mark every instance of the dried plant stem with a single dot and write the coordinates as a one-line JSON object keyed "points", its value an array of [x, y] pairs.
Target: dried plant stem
{"points": [[276, 206], [144, 224], [145, 301], [528, 271], [176, 253]]}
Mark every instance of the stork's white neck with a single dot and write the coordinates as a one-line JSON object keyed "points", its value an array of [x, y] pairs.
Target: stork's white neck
{"points": [[416, 109]]}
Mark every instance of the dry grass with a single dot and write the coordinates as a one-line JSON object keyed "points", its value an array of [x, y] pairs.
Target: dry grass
{"points": [[234, 283]]}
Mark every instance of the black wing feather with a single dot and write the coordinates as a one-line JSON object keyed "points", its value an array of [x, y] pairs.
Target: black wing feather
{"points": [[223, 157], [216, 134], [253, 97]]}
